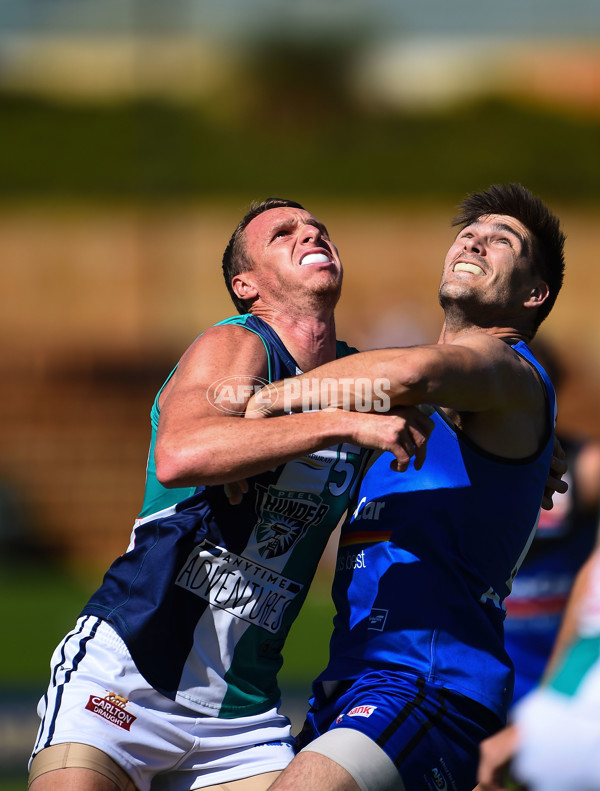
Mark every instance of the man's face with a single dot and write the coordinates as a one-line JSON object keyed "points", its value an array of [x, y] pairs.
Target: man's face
{"points": [[489, 263], [291, 253]]}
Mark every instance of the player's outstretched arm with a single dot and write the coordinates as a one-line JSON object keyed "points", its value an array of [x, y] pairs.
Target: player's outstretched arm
{"points": [[476, 373], [492, 392], [199, 442]]}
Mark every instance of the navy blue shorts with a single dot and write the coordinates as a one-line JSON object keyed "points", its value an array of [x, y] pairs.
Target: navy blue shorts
{"points": [[430, 733]]}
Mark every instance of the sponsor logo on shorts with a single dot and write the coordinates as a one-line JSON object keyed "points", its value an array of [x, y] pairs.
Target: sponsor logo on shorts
{"points": [[112, 708], [287, 745], [361, 711], [440, 778]]}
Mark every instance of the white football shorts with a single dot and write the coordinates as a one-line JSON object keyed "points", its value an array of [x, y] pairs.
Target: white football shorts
{"points": [[97, 697]]}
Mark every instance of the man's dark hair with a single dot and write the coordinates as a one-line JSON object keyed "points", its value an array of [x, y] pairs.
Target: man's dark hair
{"points": [[235, 258], [516, 201]]}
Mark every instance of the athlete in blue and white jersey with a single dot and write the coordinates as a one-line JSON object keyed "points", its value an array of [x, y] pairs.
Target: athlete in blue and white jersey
{"points": [[423, 567], [426, 562], [168, 680], [418, 674]]}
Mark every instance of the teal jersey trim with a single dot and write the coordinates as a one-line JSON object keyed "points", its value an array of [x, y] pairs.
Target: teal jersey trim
{"points": [[156, 496], [580, 657]]}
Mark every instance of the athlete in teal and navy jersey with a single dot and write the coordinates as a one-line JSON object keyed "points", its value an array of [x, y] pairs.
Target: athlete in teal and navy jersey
{"points": [[168, 679], [226, 581]]}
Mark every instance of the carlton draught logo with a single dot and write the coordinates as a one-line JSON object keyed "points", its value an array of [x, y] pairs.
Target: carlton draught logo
{"points": [[111, 708]]}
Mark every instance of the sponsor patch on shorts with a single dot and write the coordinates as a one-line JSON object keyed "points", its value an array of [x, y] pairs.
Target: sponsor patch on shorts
{"points": [[440, 778], [358, 711], [112, 708]]}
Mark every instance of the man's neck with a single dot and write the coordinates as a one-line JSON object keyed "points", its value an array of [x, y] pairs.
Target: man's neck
{"points": [[451, 332], [309, 339]]}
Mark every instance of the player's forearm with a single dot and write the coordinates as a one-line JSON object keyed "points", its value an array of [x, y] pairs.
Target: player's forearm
{"points": [[451, 375], [383, 378], [496, 752], [347, 383], [226, 449]]}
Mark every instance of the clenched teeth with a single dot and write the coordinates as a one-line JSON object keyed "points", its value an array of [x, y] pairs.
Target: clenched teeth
{"points": [[314, 258], [463, 266]]}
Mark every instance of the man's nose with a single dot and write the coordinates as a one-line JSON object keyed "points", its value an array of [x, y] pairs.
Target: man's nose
{"points": [[310, 234], [474, 244]]}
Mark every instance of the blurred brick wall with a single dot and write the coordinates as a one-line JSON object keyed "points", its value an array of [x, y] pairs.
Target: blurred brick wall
{"points": [[74, 447], [97, 306]]}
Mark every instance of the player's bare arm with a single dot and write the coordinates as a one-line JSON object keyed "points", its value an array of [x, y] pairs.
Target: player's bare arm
{"points": [[198, 443], [489, 389], [474, 373]]}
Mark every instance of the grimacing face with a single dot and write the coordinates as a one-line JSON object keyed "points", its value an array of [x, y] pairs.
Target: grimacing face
{"points": [[291, 252], [490, 261]]}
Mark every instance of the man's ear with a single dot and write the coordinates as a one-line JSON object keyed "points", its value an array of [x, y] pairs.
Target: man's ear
{"points": [[243, 285], [539, 293]]}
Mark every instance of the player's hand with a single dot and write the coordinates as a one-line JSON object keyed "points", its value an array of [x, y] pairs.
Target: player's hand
{"points": [[235, 490], [403, 431], [555, 483], [495, 755]]}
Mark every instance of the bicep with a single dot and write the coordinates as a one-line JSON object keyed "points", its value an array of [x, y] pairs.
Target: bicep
{"points": [[215, 377], [475, 375]]}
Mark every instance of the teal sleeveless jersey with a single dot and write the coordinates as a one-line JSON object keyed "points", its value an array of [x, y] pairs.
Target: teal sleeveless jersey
{"points": [[206, 593]]}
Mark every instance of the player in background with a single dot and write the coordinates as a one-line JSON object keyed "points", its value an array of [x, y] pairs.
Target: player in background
{"points": [[564, 540], [553, 738]]}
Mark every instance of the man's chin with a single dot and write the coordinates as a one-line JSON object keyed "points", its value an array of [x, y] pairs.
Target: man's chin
{"points": [[328, 294]]}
